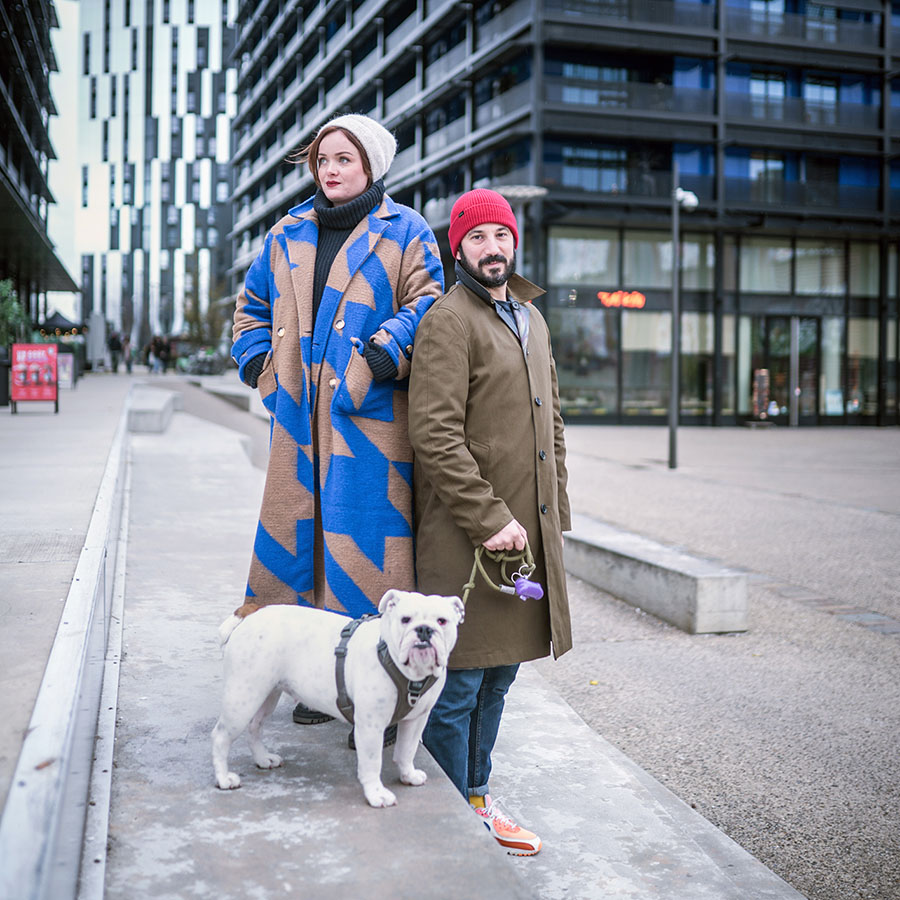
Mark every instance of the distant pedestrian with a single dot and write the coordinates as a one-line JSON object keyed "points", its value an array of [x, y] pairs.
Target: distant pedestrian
{"points": [[114, 345], [127, 355]]}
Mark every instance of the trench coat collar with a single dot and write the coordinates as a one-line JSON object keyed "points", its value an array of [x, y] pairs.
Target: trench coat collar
{"points": [[518, 288]]}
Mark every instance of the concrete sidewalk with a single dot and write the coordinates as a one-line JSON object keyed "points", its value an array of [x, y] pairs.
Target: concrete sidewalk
{"points": [[191, 502]]}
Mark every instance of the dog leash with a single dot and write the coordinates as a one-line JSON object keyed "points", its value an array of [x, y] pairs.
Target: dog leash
{"points": [[518, 583], [408, 691]]}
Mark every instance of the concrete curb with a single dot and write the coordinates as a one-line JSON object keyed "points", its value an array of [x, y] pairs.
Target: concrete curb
{"points": [[43, 819]]}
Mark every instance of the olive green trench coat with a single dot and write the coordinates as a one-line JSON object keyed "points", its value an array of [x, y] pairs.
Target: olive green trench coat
{"points": [[488, 439]]}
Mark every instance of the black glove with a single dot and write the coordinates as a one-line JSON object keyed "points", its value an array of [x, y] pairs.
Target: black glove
{"points": [[380, 362], [253, 368]]}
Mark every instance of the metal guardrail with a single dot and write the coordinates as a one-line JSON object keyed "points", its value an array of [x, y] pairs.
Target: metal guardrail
{"points": [[43, 823]]}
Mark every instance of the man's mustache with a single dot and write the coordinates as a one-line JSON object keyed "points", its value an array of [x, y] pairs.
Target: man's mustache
{"points": [[493, 259]]}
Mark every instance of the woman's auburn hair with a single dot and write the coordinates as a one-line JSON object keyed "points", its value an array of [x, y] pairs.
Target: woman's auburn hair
{"points": [[308, 154]]}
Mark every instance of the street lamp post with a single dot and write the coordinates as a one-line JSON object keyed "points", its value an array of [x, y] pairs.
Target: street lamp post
{"points": [[688, 200]]}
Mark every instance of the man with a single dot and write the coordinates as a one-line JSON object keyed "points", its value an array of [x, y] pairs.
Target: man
{"points": [[489, 471]]}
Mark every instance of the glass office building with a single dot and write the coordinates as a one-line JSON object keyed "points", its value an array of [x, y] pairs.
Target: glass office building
{"points": [[779, 115]]}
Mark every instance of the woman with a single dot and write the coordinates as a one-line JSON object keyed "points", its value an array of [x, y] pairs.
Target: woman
{"points": [[324, 327]]}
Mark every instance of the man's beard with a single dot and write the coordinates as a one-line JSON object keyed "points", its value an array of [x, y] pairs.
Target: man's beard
{"points": [[489, 281]]}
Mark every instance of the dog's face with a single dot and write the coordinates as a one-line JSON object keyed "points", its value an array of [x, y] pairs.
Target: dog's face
{"points": [[420, 630]]}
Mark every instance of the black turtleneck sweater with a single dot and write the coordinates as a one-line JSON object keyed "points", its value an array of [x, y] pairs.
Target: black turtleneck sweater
{"points": [[335, 225]]}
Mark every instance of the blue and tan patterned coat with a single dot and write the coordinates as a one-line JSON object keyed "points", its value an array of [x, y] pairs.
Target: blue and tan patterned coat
{"points": [[343, 545]]}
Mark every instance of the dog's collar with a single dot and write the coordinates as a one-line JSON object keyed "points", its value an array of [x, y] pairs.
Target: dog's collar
{"points": [[408, 691]]}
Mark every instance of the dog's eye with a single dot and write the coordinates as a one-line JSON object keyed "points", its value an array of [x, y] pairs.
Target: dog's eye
{"points": [[406, 620], [442, 622]]}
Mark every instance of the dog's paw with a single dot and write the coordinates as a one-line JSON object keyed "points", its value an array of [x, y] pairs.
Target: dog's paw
{"points": [[415, 777], [379, 796], [231, 781], [268, 761]]}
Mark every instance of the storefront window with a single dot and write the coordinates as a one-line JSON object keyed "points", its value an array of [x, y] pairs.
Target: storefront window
{"points": [[891, 358], [831, 395], [862, 367], [892, 271], [698, 262], [697, 363], [729, 264], [864, 268], [646, 365], [766, 265], [647, 259], [726, 387], [584, 255], [745, 357], [820, 268], [584, 347]]}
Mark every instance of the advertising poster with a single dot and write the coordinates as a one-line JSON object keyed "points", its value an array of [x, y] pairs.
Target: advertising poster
{"points": [[34, 375]]}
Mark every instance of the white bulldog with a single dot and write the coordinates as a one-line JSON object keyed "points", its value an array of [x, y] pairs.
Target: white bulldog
{"points": [[291, 648]]}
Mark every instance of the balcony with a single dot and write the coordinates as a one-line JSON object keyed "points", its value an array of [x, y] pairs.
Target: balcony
{"points": [[797, 111], [400, 97], [656, 12], [441, 138], [367, 64], [404, 160], [514, 99], [631, 95], [438, 70], [742, 23], [625, 183], [749, 192], [399, 35], [517, 14]]}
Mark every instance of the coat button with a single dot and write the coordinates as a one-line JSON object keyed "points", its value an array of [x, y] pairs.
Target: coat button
{"points": [[332, 382], [544, 508], [538, 401], [543, 454], [409, 349], [280, 332], [339, 324]]}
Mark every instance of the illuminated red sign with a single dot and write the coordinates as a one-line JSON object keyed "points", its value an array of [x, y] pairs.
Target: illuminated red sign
{"points": [[628, 299]]}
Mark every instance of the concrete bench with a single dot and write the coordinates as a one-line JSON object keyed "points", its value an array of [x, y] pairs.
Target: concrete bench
{"points": [[695, 595], [150, 409]]}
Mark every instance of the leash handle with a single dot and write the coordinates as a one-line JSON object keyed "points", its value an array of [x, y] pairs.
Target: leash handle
{"points": [[512, 583]]}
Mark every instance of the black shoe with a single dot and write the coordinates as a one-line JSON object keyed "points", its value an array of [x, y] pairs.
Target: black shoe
{"points": [[390, 736], [303, 715]]}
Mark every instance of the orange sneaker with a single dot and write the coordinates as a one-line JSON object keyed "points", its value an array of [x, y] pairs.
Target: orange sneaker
{"points": [[518, 841]]}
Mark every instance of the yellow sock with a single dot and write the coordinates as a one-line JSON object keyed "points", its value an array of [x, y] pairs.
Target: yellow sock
{"points": [[476, 801]]}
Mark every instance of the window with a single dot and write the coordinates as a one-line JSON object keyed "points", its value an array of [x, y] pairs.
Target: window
{"points": [[579, 256], [767, 92], [862, 367], [86, 54], [594, 168], [134, 49], [646, 362], [765, 265], [93, 109], [84, 185], [766, 176], [820, 98], [112, 184], [113, 84], [697, 363]]}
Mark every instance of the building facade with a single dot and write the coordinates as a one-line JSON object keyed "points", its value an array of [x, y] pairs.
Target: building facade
{"points": [[156, 97], [27, 255], [782, 116]]}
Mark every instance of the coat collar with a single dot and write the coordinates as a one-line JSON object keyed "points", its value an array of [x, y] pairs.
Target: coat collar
{"points": [[304, 212], [518, 288]]}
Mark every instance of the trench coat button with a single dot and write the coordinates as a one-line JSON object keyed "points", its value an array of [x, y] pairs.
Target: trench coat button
{"points": [[332, 383], [409, 349], [538, 401], [544, 508], [543, 454], [339, 324], [280, 332]]}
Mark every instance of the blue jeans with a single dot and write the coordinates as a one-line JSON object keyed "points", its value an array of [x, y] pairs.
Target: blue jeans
{"points": [[462, 728]]}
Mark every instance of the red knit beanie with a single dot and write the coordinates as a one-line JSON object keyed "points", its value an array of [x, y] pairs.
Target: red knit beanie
{"points": [[480, 207]]}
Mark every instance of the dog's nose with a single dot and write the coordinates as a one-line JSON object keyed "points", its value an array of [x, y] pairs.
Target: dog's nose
{"points": [[424, 632]]}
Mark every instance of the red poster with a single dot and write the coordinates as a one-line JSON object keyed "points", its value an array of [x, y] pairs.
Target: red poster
{"points": [[34, 372]]}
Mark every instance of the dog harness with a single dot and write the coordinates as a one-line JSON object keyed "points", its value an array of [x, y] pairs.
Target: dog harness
{"points": [[408, 691]]}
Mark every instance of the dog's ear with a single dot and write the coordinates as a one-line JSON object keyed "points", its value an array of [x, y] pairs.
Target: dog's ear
{"points": [[460, 608], [388, 600]]}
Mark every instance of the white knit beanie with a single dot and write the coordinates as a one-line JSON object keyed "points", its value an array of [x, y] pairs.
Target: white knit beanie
{"points": [[380, 145]]}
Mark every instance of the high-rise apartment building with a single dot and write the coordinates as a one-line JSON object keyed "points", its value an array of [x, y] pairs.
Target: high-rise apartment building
{"points": [[156, 99], [27, 256], [783, 117]]}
